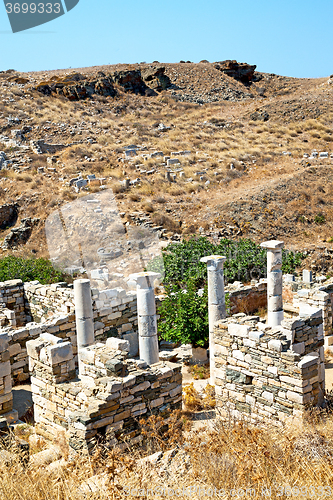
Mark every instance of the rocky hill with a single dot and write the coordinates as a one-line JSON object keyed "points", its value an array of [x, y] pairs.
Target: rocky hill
{"points": [[188, 148]]}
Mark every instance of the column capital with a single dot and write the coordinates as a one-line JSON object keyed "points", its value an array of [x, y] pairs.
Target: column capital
{"points": [[274, 245], [145, 279], [214, 260]]}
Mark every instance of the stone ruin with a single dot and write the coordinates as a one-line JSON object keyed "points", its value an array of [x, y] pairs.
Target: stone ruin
{"points": [[94, 362], [265, 371]]}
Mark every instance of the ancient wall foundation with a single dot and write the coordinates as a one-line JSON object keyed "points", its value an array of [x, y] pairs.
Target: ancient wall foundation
{"points": [[248, 298], [115, 391], [12, 299], [265, 373]]}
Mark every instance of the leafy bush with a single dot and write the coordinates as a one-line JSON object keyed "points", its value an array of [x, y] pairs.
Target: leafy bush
{"points": [[184, 315], [245, 260], [12, 268]]}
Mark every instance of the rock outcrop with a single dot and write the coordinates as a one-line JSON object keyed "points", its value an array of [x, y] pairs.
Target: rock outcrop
{"points": [[77, 86], [131, 81], [19, 235], [240, 71], [8, 215], [156, 78]]}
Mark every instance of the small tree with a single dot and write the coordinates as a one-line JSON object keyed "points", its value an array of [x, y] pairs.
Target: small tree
{"points": [[184, 315]]}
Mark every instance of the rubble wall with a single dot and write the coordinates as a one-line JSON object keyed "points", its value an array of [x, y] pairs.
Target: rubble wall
{"points": [[265, 373], [62, 326], [114, 393], [24, 306], [6, 394]]}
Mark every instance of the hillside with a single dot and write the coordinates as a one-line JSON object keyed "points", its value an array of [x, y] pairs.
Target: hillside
{"points": [[239, 135]]}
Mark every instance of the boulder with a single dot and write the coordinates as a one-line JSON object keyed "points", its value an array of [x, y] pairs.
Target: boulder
{"points": [[131, 81], [156, 78]]}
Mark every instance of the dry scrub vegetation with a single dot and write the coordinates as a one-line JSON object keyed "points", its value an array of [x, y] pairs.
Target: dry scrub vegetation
{"points": [[217, 134], [231, 460]]}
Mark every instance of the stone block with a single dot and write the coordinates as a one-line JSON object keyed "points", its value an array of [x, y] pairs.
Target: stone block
{"points": [[298, 348], [60, 353], [275, 345], [119, 344], [5, 369], [309, 360], [269, 396], [238, 330]]}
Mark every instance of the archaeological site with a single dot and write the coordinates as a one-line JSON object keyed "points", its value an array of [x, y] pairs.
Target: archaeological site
{"points": [[166, 250]]}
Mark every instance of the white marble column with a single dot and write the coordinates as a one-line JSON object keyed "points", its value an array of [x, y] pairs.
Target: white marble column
{"points": [[147, 323], [274, 281], [83, 314], [216, 301]]}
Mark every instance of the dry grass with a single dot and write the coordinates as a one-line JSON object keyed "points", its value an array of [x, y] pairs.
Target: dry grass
{"points": [[217, 135], [232, 460]]}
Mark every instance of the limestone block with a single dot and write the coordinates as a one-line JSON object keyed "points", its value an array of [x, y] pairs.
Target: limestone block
{"points": [[269, 396], [60, 353], [238, 330], [3, 342], [298, 348], [132, 338], [119, 344], [275, 345], [5, 369], [255, 335], [295, 397], [238, 355], [309, 360], [87, 355]]}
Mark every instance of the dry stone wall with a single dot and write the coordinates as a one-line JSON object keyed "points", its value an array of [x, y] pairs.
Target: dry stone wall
{"points": [[320, 297], [115, 310], [264, 373], [114, 392], [61, 326], [248, 298], [12, 299], [6, 395]]}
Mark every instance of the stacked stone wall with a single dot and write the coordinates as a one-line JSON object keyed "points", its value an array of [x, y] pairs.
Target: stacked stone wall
{"points": [[264, 373], [247, 299], [6, 394], [113, 394], [115, 310], [12, 299], [320, 297], [62, 326]]}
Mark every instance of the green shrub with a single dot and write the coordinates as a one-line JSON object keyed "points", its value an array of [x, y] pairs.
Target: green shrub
{"points": [[245, 260], [12, 268], [184, 316]]}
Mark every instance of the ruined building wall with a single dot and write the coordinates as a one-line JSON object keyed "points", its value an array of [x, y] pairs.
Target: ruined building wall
{"points": [[247, 299], [320, 297], [269, 373], [6, 394], [12, 301], [115, 311], [113, 394]]}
